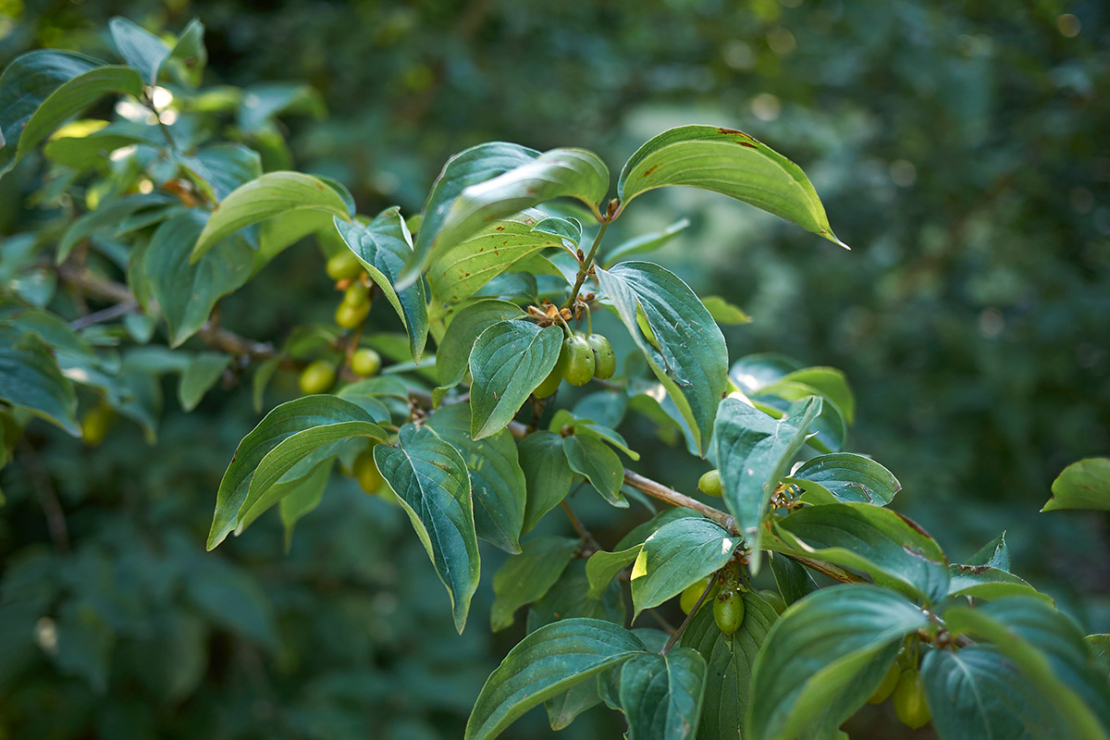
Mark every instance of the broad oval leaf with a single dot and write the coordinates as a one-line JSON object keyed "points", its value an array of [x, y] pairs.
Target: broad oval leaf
{"points": [[1082, 485], [676, 555], [141, 49], [729, 660], [431, 482], [685, 348], [754, 452], [30, 378], [526, 577], [985, 582], [816, 651], [282, 423], [601, 466], [453, 353], [893, 550], [602, 567], [273, 194], [383, 246], [544, 664], [107, 217], [574, 173], [496, 478], [508, 361], [849, 478], [661, 695], [730, 162], [219, 170], [547, 473]]}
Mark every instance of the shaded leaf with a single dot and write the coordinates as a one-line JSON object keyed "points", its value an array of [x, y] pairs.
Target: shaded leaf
{"points": [[662, 694], [548, 475], [30, 378], [508, 361], [601, 466], [526, 577]]}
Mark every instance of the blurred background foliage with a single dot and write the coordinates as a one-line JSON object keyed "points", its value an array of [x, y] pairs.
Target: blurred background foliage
{"points": [[960, 149]]}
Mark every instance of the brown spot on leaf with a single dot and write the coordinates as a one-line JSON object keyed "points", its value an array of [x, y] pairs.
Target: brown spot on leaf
{"points": [[747, 144], [734, 132], [649, 170], [500, 228]]}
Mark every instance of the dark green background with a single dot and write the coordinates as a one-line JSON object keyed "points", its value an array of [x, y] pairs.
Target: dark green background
{"points": [[961, 149]]}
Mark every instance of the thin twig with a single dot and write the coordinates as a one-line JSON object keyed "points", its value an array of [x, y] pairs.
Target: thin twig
{"points": [[107, 314], [580, 528]]}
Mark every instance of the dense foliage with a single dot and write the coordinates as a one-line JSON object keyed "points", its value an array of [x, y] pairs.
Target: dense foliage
{"points": [[146, 194]]}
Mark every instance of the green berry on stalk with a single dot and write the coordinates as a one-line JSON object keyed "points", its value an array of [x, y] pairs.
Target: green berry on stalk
{"points": [[356, 295], [344, 266], [728, 611], [889, 683], [909, 701], [691, 595], [318, 377], [350, 317], [96, 423], [550, 384], [365, 471], [576, 361], [710, 483], [605, 361], [366, 362]]}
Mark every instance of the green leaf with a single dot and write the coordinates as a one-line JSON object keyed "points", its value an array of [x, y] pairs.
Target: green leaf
{"points": [[893, 550], [730, 162], [544, 664], [676, 555], [815, 652], [729, 660], [142, 50], [793, 580], [74, 96], [496, 478], [201, 374], [299, 497], [685, 349], [492, 181], [107, 217], [383, 246], [754, 452], [527, 577], [219, 170], [985, 582], [1082, 485], [567, 231], [603, 567], [94, 148], [479, 258], [273, 194], [848, 478], [601, 466], [453, 354], [995, 554], [662, 694], [977, 693], [30, 378], [262, 103], [509, 360], [85, 641], [281, 424], [569, 598], [188, 291], [1049, 651], [724, 312], [1100, 647], [431, 482], [188, 57], [25, 84], [644, 243], [547, 473]]}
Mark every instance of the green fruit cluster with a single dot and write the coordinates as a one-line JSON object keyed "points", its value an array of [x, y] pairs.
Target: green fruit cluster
{"points": [[582, 358], [909, 695]]}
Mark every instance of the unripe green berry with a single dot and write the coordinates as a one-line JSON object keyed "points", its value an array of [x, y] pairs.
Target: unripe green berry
{"points": [[710, 483], [96, 423], [550, 384], [728, 611], [889, 683], [344, 266], [909, 700], [350, 317], [317, 377], [366, 362], [576, 361], [774, 598], [605, 361], [691, 595], [365, 471], [356, 295]]}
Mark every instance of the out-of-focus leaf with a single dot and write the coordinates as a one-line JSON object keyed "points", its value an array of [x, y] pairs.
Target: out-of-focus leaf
{"points": [[1082, 485], [526, 577]]}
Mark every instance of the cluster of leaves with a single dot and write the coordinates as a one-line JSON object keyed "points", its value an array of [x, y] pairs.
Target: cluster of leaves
{"points": [[467, 458]]}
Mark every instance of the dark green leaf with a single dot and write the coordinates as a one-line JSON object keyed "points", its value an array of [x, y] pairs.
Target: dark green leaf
{"points": [[508, 361], [676, 555], [547, 473], [792, 578], [188, 57], [849, 478], [995, 554], [188, 291], [985, 582], [431, 481], [685, 350], [603, 567], [92, 149], [301, 496], [496, 478], [220, 169], [30, 378], [544, 664], [726, 161], [107, 217], [453, 354], [601, 466], [817, 649], [754, 452], [1082, 485], [273, 194], [142, 50], [201, 374], [662, 694], [526, 577], [894, 551]]}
